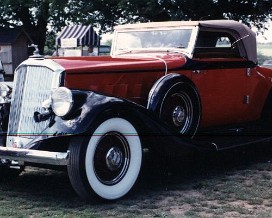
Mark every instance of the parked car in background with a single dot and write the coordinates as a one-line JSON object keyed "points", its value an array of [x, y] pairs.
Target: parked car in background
{"points": [[267, 63], [173, 87]]}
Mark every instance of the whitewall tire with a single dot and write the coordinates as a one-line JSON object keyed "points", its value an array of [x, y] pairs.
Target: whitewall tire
{"points": [[112, 160]]}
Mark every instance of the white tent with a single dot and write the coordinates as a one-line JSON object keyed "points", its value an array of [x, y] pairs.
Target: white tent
{"points": [[82, 35]]}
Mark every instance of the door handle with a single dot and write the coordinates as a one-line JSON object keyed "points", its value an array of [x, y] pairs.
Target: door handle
{"points": [[197, 71]]}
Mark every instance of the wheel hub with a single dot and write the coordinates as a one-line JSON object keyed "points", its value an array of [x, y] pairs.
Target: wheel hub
{"points": [[114, 158], [178, 115], [111, 158]]}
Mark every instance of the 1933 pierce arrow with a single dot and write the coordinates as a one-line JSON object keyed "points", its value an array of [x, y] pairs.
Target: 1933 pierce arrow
{"points": [[172, 87]]}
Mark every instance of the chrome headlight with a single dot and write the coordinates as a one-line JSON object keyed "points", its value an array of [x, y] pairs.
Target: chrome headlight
{"points": [[62, 101]]}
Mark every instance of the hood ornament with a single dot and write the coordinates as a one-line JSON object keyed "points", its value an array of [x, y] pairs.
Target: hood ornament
{"points": [[36, 52]]}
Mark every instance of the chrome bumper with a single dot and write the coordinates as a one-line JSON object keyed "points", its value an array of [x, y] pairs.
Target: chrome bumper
{"points": [[35, 156]]}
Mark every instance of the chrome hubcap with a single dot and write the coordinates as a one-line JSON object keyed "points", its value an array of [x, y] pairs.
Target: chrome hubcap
{"points": [[111, 158], [114, 158], [177, 110], [178, 115]]}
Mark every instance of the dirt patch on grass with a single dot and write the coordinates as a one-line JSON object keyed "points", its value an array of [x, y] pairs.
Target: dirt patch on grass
{"points": [[235, 183]]}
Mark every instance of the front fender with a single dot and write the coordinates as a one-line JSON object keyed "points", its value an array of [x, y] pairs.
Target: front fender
{"points": [[98, 107], [153, 132], [79, 122], [84, 114]]}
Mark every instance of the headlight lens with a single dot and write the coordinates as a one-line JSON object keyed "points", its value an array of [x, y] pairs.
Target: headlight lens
{"points": [[62, 101]]}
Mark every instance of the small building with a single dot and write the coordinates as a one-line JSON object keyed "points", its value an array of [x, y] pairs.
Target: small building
{"points": [[13, 48]]}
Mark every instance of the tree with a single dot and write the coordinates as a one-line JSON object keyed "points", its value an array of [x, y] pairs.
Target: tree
{"points": [[41, 17], [250, 12]]}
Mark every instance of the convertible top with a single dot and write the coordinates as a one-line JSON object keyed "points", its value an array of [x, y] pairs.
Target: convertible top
{"points": [[246, 38], [244, 33]]}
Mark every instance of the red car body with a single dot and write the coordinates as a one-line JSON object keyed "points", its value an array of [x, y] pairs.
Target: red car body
{"points": [[222, 91]]}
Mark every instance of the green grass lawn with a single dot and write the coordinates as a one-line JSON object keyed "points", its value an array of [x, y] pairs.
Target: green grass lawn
{"points": [[236, 183]]}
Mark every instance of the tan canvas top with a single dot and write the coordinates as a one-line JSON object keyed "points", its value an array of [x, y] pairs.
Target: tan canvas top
{"points": [[246, 38]]}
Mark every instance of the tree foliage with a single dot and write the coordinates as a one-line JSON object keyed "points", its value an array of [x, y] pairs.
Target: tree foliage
{"points": [[41, 17], [32, 16]]}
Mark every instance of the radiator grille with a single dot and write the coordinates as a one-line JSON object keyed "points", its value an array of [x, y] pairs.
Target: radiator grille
{"points": [[32, 86]]}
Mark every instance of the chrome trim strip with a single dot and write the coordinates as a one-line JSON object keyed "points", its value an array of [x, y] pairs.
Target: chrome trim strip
{"points": [[42, 62], [35, 156]]}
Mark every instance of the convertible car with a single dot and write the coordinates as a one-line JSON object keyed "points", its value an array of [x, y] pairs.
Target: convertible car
{"points": [[170, 87]]}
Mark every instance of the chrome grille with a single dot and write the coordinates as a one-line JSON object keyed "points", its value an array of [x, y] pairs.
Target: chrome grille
{"points": [[32, 86]]}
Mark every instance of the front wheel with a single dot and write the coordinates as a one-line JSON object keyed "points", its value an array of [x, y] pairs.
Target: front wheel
{"points": [[107, 163]]}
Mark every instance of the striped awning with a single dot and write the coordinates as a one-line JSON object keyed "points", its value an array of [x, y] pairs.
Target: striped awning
{"points": [[82, 35]]}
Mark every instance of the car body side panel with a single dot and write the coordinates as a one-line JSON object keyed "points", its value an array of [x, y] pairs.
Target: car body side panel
{"points": [[234, 93], [134, 86], [223, 83], [222, 94], [259, 84]]}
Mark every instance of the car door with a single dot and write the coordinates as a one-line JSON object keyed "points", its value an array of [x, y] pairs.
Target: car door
{"points": [[221, 79]]}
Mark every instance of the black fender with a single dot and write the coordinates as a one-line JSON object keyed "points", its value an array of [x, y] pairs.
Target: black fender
{"points": [[161, 89], [80, 120], [154, 133]]}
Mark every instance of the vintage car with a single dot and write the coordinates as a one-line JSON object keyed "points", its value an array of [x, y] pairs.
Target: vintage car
{"points": [[168, 87]]}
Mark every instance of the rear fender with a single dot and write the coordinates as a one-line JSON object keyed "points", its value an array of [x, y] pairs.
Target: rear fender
{"points": [[161, 87]]}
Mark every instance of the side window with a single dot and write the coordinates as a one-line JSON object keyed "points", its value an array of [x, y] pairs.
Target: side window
{"points": [[223, 42], [215, 45]]}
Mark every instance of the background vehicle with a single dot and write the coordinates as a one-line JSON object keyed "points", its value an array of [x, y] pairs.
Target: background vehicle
{"points": [[267, 63], [171, 87]]}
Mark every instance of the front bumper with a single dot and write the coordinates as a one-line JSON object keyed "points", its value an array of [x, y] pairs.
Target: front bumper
{"points": [[35, 156]]}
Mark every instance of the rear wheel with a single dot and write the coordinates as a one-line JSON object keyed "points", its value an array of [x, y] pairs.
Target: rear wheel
{"points": [[107, 163], [180, 108]]}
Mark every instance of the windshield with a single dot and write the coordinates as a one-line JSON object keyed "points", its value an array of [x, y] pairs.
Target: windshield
{"points": [[152, 39]]}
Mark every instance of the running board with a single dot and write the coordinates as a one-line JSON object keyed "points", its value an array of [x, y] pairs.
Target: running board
{"points": [[227, 142], [35, 156]]}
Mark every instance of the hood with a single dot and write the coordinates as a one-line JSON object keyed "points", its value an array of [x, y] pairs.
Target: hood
{"points": [[104, 64]]}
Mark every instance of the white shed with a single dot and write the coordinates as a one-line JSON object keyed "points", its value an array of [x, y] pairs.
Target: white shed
{"points": [[13, 48]]}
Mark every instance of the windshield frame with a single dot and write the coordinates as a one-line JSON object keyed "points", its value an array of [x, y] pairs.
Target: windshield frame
{"points": [[188, 51]]}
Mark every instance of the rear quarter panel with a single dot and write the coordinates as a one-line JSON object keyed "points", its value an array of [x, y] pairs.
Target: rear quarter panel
{"points": [[259, 86]]}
